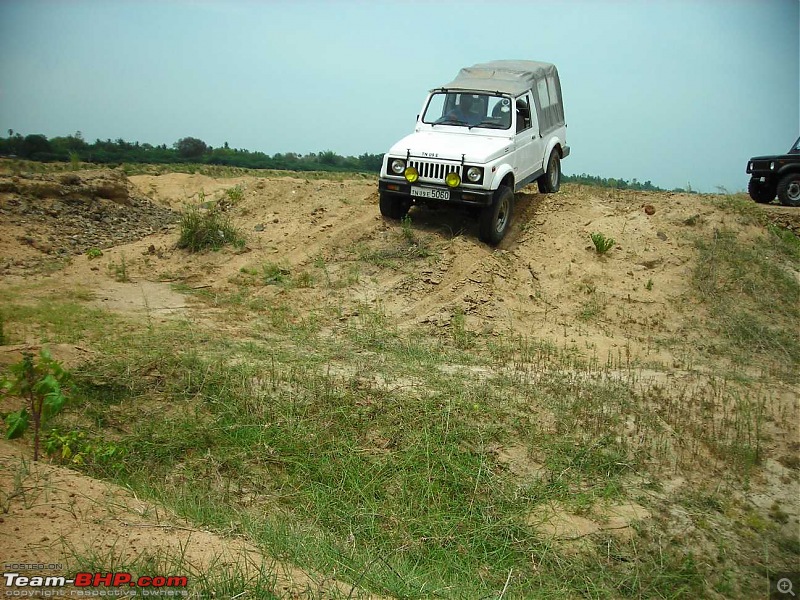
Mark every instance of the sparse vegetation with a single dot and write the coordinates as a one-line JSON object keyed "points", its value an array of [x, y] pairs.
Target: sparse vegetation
{"points": [[434, 446], [753, 297]]}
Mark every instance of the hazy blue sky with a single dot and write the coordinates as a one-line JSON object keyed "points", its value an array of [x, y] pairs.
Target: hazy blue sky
{"points": [[672, 91]]}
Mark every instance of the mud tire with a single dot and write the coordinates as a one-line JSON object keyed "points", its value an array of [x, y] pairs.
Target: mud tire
{"points": [[495, 219], [789, 189], [761, 192], [550, 182], [394, 207]]}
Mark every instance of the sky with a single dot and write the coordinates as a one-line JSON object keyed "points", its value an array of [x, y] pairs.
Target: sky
{"points": [[678, 92]]}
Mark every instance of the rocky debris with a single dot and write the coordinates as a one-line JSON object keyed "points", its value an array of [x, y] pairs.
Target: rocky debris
{"points": [[62, 214]]}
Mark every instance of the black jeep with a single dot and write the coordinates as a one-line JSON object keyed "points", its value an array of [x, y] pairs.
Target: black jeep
{"points": [[780, 174]]}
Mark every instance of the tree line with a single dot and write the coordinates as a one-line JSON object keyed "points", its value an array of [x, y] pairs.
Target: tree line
{"points": [[38, 147]]}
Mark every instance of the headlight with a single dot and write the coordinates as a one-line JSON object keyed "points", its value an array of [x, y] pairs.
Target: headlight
{"points": [[474, 174], [397, 166], [771, 166], [452, 179], [411, 174]]}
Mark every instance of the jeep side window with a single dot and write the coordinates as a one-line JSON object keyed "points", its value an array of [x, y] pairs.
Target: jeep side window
{"points": [[523, 114]]}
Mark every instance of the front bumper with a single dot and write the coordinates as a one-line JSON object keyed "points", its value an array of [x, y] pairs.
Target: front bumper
{"points": [[463, 196]]}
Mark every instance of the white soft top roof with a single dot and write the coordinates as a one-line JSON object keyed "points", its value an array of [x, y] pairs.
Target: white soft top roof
{"points": [[506, 76]]}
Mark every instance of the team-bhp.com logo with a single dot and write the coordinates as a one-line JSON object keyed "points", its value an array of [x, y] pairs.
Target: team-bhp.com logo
{"points": [[92, 580]]}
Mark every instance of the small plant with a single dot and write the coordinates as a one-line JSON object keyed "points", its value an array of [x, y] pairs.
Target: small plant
{"points": [[210, 229], [120, 270], [274, 274], [93, 253], [235, 194], [408, 233], [601, 243], [462, 337], [73, 447], [649, 285], [39, 383]]}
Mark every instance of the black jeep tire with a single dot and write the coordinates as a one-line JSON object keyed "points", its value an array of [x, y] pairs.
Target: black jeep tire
{"points": [[394, 207], [496, 218], [550, 182], [761, 192], [789, 189]]}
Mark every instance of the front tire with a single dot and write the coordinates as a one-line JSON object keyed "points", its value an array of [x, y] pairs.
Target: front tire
{"points": [[394, 207], [496, 218], [789, 190], [550, 182], [761, 192]]}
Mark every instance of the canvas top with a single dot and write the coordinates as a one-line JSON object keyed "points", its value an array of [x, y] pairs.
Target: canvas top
{"points": [[506, 76]]}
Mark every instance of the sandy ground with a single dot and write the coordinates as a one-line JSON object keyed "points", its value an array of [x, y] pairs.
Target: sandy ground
{"points": [[544, 281]]}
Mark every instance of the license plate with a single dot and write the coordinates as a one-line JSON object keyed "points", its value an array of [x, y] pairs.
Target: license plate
{"points": [[432, 193]]}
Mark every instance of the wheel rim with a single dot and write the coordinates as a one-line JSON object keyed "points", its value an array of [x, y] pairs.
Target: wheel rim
{"points": [[502, 215], [553, 172], [793, 191]]}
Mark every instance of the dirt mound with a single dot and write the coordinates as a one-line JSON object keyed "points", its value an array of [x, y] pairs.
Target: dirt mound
{"points": [[57, 215]]}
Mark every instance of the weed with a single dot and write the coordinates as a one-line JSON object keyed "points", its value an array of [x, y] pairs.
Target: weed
{"points": [[462, 338], [408, 233], [120, 270], [93, 253], [649, 285], [74, 447], [235, 194], [602, 244], [201, 230], [274, 274]]}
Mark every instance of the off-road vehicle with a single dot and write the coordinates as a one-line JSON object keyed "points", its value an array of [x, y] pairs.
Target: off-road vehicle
{"points": [[494, 129], [779, 174]]}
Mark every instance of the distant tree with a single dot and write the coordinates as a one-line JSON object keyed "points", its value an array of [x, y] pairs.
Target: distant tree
{"points": [[190, 147], [34, 144], [329, 157]]}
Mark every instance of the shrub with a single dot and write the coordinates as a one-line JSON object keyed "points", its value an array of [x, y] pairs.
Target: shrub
{"points": [[210, 229]]}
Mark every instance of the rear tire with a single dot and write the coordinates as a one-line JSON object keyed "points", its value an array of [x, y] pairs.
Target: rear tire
{"points": [[761, 192], [496, 218], [394, 207], [789, 190], [550, 182]]}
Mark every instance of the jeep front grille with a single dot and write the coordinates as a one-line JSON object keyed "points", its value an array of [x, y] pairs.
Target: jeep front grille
{"points": [[434, 171]]}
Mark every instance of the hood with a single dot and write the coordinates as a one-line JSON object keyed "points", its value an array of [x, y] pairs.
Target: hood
{"points": [[449, 145], [771, 157]]}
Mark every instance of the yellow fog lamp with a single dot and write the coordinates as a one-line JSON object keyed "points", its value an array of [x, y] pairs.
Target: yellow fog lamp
{"points": [[452, 179], [411, 174]]}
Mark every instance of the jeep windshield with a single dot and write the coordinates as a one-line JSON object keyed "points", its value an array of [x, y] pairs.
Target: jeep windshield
{"points": [[473, 109], [796, 148]]}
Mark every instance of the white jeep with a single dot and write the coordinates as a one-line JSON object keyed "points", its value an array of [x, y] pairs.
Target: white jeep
{"points": [[477, 141]]}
